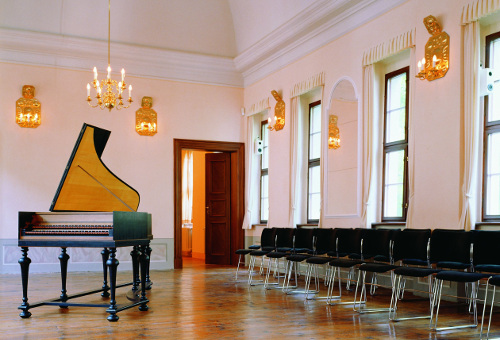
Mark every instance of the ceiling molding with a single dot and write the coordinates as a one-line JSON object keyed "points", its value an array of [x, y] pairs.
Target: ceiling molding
{"points": [[318, 25], [42, 49]]}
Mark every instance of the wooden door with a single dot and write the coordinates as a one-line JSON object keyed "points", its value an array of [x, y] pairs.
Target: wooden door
{"points": [[218, 208]]}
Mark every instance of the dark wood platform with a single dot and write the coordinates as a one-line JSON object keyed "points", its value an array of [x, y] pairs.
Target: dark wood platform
{"points": [[200, 302]]}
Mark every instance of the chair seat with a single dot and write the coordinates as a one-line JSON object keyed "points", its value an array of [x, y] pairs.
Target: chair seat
{"points": [[415, 262], [260, 252], [456, 276], [381, 258], [297, 257], [344, 263], [254, 247], [302, 250], [276, 254], [415, 272], [490, 268], [453, 265], [284, 249], [495, 280], [318, 260], [243, 251], [377, 267]]}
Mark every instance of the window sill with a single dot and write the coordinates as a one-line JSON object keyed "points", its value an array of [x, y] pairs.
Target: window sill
{"points": [[488, 226], [389, 225], [259, 225], [307, 225]]}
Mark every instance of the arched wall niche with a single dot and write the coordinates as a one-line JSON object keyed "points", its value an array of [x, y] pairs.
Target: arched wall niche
{"points": [[343, 166]]}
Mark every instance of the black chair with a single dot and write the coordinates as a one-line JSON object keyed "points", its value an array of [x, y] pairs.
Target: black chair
{"points": [[241, 256], [303, 248], [267, 245], [495, 282], [453, 249], [325, 243], [412, 250], [283, 247], [377, 245], [347, 255]]}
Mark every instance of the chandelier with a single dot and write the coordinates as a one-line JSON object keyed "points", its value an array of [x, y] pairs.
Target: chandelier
{"points": [[109, 91]]}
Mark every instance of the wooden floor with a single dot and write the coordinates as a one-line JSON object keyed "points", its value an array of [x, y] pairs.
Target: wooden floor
{"points": [[201, 302]]}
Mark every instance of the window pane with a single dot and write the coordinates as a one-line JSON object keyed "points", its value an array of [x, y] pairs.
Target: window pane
{"points": [[393, 185], [314, 193], [494, 98], [265, 147], [396, 109], [315, 132], [264, 198], [493, 175], [315, 146]]}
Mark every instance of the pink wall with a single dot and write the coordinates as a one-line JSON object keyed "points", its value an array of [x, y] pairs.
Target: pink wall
{"points": [[33, 160], [437, 112]]}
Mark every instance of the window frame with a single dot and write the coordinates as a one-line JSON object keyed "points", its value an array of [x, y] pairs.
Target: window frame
{"points": [[263, 172], [396, 146], [489, 128], [311, 162]]}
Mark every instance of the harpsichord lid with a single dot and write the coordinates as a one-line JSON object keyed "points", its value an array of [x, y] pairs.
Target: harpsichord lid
{"points": [[87, 184]]}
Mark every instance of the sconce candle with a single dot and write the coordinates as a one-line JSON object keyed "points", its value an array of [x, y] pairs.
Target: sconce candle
{"points": [[28, 108]]}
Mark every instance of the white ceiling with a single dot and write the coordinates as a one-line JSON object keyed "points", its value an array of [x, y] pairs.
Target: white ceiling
{"points": [[235, 39]]}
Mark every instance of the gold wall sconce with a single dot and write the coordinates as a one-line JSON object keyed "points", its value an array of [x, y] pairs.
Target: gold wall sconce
{"points": [[279, 113], [333, 133], [435, 64], [28, 108], [146, 118]]}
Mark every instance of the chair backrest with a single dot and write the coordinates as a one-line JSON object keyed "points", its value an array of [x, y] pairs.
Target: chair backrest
{"points": [[267, 237], [325, 240], [450, 245], [348, 241], [485, 249], [377, 242], [411, 244], [304, 238], [284, 237]]}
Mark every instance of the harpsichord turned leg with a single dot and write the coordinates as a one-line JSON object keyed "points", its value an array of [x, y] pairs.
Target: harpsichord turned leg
{"points": [[63, 260], [144, 258], [25, 261], [112, 264], [149, 283], [105, 287], [134, 254]]}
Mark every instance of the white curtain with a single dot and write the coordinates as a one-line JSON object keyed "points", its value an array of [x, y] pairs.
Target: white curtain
{"points": [[249, 190], [368, 139], [324, 159], [294, 161], [471, 123], [187, 187], [411, 143]]}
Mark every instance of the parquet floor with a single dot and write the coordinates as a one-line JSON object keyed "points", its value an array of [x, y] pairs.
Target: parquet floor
{"points": [[201, 302]]}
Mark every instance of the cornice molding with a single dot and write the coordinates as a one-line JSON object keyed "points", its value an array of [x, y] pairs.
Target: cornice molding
{"points": [[318, 25], [321, 23], [41, 49]]}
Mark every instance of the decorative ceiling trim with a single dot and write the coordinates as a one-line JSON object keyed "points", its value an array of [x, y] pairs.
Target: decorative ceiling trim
{"points": [[42, 49], [318, 25]]}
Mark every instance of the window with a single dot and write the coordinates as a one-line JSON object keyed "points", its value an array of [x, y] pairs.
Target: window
{"points": [[314, 155], [395, 166], [491, 166], [264, 178]]}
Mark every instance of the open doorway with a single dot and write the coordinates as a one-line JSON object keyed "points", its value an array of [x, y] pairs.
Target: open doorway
{"points": [[235, 152]]}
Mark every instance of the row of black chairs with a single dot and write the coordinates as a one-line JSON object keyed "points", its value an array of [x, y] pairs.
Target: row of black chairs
{"points": [[439, 255]]}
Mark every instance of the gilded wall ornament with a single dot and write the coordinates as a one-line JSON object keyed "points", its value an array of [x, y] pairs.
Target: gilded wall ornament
{"points": [[437, 52], [28, 108], [279, 113], [146, 118]]}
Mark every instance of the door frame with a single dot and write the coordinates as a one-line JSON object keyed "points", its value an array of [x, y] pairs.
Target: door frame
{"points": [[237, 151]]}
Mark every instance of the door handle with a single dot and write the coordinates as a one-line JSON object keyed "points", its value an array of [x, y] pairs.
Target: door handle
{"points": [[207, 210]]}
